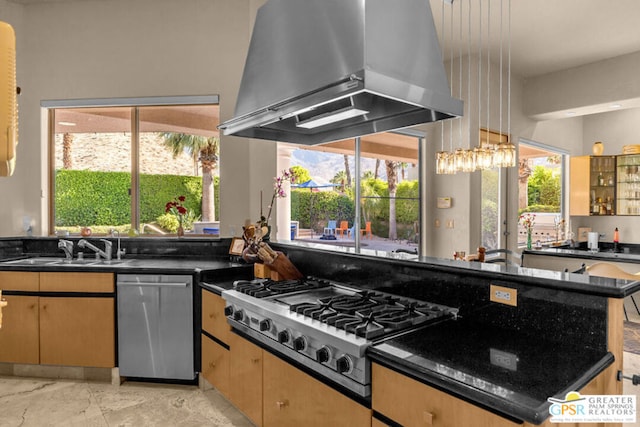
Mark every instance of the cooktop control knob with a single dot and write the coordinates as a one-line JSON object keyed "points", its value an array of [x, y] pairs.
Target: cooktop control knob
{"points": [[238, 315], [323, 355], [344, 365], [265, 325], [300, 343], [283, 337], [228, 310]]}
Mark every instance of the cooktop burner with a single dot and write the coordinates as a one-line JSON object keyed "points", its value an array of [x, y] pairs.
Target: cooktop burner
{"points": [[368, 314], [268, 287]]}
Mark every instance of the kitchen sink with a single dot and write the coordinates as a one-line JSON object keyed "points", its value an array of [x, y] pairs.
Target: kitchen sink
{"points": [[61, 262]]}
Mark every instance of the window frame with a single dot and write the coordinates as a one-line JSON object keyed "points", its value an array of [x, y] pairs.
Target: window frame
{"points": [[135, 104]]}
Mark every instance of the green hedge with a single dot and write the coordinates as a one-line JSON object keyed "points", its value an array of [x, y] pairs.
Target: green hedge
{"points": [[102, 198]]}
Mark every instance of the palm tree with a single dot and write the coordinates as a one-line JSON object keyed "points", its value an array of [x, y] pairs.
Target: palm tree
{"points": [[67, 142], [392, 181], [347, 171], [205, 151]]}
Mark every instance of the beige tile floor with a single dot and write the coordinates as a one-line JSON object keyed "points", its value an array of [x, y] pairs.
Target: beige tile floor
{"points": [[28, 402]]}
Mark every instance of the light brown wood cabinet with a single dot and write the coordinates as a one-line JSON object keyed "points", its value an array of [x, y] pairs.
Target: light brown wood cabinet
{"points": [[213, 319], [293, 398], [411, 403], [215, 356], [592, 179], [77, 332], [20, 332], [245, 388], [215, 364], [70, 331]]}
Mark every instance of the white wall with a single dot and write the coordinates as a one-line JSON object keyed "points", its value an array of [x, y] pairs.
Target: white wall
{"points": [[130, 48]]}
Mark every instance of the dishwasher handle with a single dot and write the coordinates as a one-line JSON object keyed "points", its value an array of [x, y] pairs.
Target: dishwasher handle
{"points": [[157, 284]]}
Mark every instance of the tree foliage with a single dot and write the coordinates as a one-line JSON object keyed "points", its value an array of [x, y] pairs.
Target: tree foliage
{"points": [[544, 188]]}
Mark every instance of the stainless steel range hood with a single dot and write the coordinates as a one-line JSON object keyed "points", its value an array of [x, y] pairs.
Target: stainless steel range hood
{"points": [[325, 70]]}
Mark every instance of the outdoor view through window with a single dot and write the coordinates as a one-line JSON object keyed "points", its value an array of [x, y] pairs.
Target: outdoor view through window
{"points": [[323, 204], [149, 170]]}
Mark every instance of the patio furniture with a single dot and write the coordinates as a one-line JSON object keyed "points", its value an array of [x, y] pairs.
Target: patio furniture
{"points": [[366, 231], [343, 229], [330, 229]]}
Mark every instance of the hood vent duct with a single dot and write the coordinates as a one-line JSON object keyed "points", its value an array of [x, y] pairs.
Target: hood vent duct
{"points": [[325, 70]]}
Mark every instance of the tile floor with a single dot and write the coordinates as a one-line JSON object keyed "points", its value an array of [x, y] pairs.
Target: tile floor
{"points": [[28, 402]]}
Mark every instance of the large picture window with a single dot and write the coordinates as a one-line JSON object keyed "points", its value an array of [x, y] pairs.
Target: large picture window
{"points": [[382, 216], [115, 167]]}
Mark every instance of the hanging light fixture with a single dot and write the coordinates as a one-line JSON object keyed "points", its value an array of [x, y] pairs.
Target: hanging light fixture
{"points": [[489, 153]]}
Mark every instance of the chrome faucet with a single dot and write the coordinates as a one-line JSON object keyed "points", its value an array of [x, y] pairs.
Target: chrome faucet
{"points": [[119, 252], [67, 247], [106, 254]]}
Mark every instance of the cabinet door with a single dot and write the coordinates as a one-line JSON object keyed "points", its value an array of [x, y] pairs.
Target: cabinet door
{"points": [[293, 398], [213, 319], [77, 332], [19, 333], [215, 364], [412, 403], [579, 186], [245, 389]]}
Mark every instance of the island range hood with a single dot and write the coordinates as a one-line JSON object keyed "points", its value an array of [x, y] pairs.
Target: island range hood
{"points": [[325, 70]]}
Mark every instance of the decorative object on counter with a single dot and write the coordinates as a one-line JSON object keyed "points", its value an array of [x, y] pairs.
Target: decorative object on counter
{"points": [[598, 148], [558, 222], [237, 246], [616, 240], [528, 220], [460, 255], [3, 304], [279, 191], [85, 231], [177, 208], [278, 261]]}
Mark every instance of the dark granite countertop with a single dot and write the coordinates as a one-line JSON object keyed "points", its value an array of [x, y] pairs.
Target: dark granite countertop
{"points": [[140, 265], [508, 374], [606, 254]]}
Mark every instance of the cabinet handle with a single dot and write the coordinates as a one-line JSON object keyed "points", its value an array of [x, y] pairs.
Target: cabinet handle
{"points": [[212, 365], [428, 418], [282, 403], [255, 360], [44, 307], [212, 315], [32, 306]]}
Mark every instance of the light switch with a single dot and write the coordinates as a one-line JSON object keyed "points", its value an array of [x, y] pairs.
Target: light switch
{"points": [[449, 223], [436, 223]]}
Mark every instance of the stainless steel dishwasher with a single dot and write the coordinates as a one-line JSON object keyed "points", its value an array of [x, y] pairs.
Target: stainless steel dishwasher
{"points": [[155, 326]]}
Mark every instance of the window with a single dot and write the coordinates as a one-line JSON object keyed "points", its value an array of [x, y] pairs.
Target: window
{"points": [[540, 192], [114, 165], [323, 203]]}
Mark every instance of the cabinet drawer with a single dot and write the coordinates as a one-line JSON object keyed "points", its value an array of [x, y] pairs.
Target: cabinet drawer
{"points": [[213, 318], [215, 364], [76, 282], [412, 403], [19, 281]]}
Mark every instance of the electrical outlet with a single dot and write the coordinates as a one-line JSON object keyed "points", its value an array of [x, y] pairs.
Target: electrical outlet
{"points": [[437, 223], [503, 359], [503, 295], [449, 223]]}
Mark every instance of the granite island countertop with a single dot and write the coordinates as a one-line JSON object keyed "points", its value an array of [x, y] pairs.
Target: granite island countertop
{"points": [[510, 374]]}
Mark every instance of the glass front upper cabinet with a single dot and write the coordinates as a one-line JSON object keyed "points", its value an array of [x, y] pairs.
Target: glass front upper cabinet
{"points": [[628, 184]]}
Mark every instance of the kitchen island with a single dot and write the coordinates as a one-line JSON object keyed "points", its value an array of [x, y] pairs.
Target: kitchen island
{"points": [[545, 327]]}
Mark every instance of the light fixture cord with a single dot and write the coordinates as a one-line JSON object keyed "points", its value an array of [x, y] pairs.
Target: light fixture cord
{"points": [[480, 69], [488, 66], [451, 79]]}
